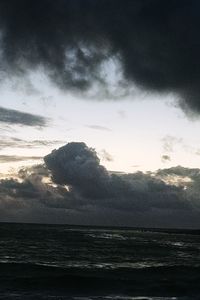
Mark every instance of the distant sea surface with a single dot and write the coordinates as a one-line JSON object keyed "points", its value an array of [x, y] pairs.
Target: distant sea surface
{"points": [[83, 263]]}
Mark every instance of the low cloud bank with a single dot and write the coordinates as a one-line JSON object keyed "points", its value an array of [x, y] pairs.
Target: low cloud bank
{"points": [[73, 187]]}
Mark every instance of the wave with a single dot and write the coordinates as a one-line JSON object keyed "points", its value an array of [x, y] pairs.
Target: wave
{"points": [[112, 236], [153, 281]]}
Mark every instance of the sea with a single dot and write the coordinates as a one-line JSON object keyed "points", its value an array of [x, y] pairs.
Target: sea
{"points": [[93, 263]]}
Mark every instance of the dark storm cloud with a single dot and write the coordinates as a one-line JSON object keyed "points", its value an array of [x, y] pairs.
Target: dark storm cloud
{"points": [[11, 116], [78, 167], [156, 42]]}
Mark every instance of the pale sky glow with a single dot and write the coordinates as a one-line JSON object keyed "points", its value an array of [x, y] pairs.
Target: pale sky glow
{"points": [[131, 131]]}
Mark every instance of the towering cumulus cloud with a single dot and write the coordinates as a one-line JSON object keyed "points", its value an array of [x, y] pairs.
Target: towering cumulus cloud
{"points": [[156, 42], [78, 166]]}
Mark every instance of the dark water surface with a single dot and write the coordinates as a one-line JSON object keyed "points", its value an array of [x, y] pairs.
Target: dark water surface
{"points": [[82, 263]]}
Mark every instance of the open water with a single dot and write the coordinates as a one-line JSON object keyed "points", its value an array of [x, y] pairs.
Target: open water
{"points": [[82, 263]]}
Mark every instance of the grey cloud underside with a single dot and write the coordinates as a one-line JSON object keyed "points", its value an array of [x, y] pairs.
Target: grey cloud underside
{"points": [[85, 192], [15, 117], [156, 42]]}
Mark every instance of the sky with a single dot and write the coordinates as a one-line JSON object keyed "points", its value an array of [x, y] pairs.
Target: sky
{"points": [[116, 100], [126, 129]]}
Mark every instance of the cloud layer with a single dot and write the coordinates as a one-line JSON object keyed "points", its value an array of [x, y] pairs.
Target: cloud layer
{"points": [[15, 117], [13, 142], [156, 43], [15, 158], [72, 187]]}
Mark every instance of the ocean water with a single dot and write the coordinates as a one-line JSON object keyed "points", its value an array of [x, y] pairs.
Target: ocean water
{"points": [[83, 263]]}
